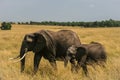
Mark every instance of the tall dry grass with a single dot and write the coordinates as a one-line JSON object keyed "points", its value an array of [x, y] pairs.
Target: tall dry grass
{"points": [[10, 42]]}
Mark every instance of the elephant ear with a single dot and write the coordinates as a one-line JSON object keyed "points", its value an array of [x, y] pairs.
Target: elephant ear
{"points": [[81, 51], [29, 38], [47, 38]]}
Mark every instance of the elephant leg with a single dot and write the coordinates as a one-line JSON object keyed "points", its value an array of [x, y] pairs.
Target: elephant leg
{"points": [[101, 64], [37, 59], [73, 67], [84, 67], [82, 63], [22, 64], [53, 63], [65, 63], [78, 66], [93, 66]]}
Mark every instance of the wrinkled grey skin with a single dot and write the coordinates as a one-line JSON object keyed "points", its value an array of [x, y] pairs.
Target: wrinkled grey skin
{"points": [[50, 45], [87, 54]]}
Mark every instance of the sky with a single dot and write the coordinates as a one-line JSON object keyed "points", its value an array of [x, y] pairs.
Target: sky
{"points": [[59, 10]]}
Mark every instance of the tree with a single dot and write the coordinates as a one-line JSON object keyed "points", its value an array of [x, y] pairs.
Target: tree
{"points": [[6, 26]]}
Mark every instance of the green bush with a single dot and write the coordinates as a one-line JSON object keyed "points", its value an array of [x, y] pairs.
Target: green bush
{"points": [[6, 26]]}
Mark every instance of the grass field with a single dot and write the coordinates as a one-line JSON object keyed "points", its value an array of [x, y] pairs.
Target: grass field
{"points": [[10, 42]]}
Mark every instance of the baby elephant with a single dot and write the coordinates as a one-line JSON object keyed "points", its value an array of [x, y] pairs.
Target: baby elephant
{"points": [[87, 54]]}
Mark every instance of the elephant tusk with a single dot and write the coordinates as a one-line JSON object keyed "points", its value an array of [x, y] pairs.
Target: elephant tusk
{"points": [[14, 58], [18, 55], [20, 58]]}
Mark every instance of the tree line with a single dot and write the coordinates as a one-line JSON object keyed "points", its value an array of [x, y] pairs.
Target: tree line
{"points": [[103, 23]]}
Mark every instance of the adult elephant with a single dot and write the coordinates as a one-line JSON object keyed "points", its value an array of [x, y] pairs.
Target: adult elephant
{"points": [[87, 54], [48, 44]]}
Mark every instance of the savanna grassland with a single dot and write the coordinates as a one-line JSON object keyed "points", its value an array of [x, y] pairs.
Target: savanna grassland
{"points": [[10, 42]]}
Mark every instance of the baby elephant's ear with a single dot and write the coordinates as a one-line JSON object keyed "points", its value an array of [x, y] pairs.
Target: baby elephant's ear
{"points": [[81, 51]]}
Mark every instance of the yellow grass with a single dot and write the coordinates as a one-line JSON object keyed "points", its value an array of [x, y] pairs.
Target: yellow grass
{"points": [[10, 42]]}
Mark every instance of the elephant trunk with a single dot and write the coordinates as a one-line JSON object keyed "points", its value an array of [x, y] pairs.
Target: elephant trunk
{"points": [[23, 52]]}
